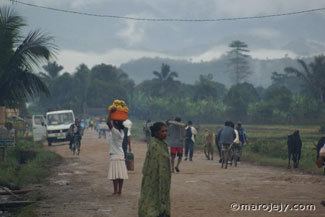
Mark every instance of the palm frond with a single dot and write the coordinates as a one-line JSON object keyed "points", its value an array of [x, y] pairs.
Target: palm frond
{"points": [[53, 69], [10, 24], [35, 50], [10, 27], [158, 75], [305, 67], [172, 76], [20, 86], [299, 74]]}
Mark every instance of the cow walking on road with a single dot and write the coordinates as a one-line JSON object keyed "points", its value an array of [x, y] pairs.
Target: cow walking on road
{"points": [[294, 149]]}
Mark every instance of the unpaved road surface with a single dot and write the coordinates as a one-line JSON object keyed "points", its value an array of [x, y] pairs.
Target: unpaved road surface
{"points": [[79, 187]]}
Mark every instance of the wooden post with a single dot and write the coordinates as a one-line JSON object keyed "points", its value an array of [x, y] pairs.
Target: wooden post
{"points": [[2, 115], [2, 154]]}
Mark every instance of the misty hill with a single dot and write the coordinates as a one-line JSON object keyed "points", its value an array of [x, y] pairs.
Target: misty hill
{"points": [[141, 69]]}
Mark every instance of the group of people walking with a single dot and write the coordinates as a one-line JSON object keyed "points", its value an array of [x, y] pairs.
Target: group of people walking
{"points": [[160, 161]]}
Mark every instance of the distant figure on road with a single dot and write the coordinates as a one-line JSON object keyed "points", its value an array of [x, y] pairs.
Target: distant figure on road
{"points": [[190, 134], [146, 130], [91, 124], [320, 153], [175, 139], [226, 138], [127, 137], [155, 188], [208, 144], [242, 137], [102, 129]]}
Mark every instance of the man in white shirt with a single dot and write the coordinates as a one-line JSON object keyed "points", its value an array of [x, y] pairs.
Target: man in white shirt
{"points": [[190, 134], [127, 136]]}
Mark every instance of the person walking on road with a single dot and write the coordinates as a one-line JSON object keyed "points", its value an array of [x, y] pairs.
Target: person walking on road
{"points": [[117, 171], [155, 187], [190, 134], [175, 139]]}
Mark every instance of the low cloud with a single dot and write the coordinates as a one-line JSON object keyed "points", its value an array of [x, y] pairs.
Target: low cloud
{"points": [[70, 59], [133, 33], [265, 33], [272, 54]]}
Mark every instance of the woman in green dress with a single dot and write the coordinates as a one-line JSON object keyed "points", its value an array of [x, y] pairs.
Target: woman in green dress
{"points": [[155, 187]]}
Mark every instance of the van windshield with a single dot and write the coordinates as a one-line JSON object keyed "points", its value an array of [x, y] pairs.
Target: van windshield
{"points": [[63, 118]]}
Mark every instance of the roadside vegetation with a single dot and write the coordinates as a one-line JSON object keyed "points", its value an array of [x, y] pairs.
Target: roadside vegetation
{"points": [[25, 165]]}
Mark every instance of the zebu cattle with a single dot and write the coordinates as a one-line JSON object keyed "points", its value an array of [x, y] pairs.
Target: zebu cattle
{"points": [[294, 149]]}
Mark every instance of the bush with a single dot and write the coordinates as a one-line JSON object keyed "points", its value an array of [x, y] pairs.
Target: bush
{"points": [[272, 148], [322, 129], [20, 169]]}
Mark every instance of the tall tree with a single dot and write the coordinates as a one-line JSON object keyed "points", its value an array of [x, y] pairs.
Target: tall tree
{"points": [[82, 76], [312, 74], [52, 71], [238, 60], [165, 74], [18, 57], [239, 97], [165, 79], [206, 88]]}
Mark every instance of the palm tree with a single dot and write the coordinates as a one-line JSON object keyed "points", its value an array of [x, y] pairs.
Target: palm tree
{"points": [[165, 80], [52, 71], [313, 75], [165, 75], [18, 57]]}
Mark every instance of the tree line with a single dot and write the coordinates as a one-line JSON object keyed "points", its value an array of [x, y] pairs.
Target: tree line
{"points": [[206, 100]]}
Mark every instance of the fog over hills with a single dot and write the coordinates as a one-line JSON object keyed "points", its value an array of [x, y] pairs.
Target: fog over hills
{"points": [[141, 69]]}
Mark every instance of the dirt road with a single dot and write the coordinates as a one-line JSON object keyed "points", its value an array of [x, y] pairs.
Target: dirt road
{"points": [[79, 187]]}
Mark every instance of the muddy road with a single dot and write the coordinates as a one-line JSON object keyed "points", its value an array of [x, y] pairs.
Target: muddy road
{"points": [[79, 187]]}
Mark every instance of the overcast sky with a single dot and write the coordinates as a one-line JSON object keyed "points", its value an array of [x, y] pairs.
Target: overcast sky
{"points": [[92, 40]]}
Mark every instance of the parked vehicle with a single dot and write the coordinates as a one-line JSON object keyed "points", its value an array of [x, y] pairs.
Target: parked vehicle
{"points": [[54, 127]]}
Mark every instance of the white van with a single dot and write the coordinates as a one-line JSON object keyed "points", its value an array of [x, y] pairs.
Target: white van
{"points": [[55, 127], [58, 124]]}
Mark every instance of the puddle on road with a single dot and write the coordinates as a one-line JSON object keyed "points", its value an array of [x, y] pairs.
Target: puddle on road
{"points": [[191, 181], [64, 174], [80, 172], [61, 182], [76, 172]]}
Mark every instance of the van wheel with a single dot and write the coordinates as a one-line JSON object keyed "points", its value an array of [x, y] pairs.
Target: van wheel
{"points": [[49, 143]]}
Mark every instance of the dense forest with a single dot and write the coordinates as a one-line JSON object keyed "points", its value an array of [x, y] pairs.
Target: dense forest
{"points": [[294, 96]]}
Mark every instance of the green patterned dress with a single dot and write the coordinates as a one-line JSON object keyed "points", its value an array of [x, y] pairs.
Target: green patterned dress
{"points": [[155, 187]]}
